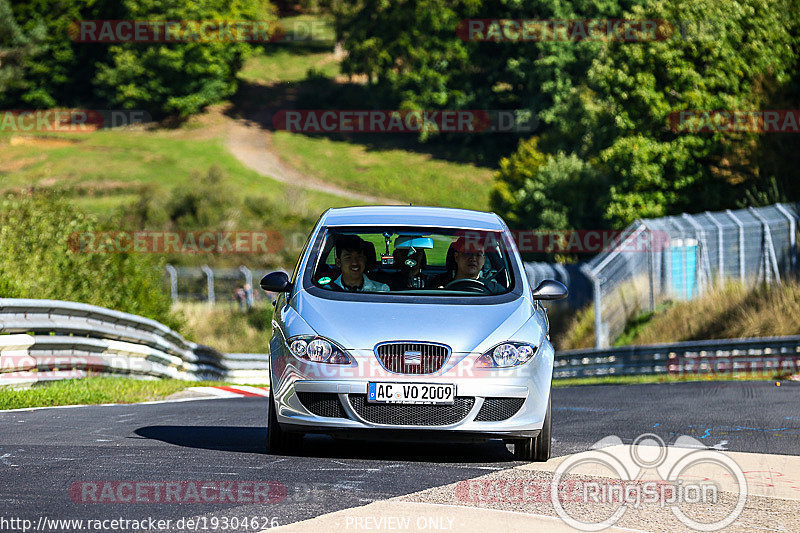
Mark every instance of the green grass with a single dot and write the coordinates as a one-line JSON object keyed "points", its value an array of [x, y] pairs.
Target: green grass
{"points": [[290, 61], [664, 378], [94, 390], [637, 324], [110, 168], [226, 328], [288, 65], [402, 175]]}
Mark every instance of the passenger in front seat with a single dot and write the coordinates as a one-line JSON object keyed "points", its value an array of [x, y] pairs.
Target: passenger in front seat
{"points": [[351, 258]]}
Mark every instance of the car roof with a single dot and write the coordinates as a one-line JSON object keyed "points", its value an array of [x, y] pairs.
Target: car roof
{"points": [[408, 215]]}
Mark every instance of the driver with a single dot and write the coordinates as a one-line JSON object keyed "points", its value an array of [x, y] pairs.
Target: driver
{"points": [[469, 257], [351, 258]]}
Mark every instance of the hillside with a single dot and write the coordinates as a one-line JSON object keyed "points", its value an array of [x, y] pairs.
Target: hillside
{"points": [[725, 313]]}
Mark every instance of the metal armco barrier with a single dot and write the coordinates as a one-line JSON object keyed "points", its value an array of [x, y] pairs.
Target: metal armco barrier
{"points": [[43, 340], [765, 354]]}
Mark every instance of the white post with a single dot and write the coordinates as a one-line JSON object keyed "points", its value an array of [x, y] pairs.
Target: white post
{"points": [[769, 256], [173, 283], [741, 243], [792, 235], [600, 340], [720, 244], [210, 278]]}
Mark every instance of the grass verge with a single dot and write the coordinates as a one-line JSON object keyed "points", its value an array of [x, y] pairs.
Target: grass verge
{"points": [[728, 312], [227, 329], [403, 175], [665, 378], [93, 391]]}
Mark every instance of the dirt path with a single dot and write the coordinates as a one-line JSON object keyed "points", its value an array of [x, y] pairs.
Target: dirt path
{"points": [[252, 146]]}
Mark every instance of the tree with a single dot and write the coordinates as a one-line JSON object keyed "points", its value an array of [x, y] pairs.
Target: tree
{"points": [[177, 78], [41, 260], [15, 48]]}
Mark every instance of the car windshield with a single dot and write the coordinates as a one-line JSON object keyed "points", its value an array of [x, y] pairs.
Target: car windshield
{"points": [[413, 261]]}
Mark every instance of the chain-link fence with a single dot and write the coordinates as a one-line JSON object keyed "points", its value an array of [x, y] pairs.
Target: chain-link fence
{"points": [[680, 257], [216, 285], [670, 258]]}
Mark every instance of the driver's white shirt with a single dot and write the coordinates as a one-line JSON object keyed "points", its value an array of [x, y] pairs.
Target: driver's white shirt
{"points": [[369, 285]]}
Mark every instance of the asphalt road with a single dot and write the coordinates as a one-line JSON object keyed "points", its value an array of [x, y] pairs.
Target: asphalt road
{"points": [[43, 453]]}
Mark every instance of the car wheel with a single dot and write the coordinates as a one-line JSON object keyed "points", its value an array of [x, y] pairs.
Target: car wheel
{"points": [[544, 442], [536, 448], [279, 441]]}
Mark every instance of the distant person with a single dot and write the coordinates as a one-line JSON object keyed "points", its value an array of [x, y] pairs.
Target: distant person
{"points": [[239, 296], [248, 296], [351, 258]]}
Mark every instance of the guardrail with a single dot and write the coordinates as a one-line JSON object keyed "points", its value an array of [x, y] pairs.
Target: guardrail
{"points": [[42, 340], [764, 354]]}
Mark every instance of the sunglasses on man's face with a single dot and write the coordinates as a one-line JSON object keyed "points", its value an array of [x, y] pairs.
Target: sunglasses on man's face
{"points": [[473, 254]]}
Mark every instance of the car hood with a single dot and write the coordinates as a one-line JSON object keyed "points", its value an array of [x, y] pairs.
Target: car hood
{"points": [[465, 328]]}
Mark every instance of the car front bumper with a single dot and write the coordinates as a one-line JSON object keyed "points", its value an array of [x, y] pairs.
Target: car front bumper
{"points": [[490, 403]]}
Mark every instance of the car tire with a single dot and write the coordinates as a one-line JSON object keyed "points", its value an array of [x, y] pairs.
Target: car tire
{"points": [[543, 443], [536, 448], [279, 441]]}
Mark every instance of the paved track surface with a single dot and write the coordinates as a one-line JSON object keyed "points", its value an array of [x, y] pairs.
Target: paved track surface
{"points": [[44, 452]]}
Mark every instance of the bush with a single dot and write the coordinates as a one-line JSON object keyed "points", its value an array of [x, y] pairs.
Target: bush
{"points": [[38, 262], [177, 78], [538, 191]]}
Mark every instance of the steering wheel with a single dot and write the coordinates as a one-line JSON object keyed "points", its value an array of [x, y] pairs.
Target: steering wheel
{"points": [[468, 285]]}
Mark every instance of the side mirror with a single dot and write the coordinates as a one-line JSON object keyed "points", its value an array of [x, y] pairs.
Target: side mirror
{"points": [[550, 289], [276, 282]]}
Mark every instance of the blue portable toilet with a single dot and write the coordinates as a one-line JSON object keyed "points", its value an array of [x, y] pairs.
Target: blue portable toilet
{"points": [[682, 284]]}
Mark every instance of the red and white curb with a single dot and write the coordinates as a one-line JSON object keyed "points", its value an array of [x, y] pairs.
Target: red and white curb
{"points": [[233, 391]]}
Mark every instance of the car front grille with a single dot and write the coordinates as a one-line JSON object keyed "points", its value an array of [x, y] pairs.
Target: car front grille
{"points": [[322, 404], [397, 414], [497, 409], [412, 357]]}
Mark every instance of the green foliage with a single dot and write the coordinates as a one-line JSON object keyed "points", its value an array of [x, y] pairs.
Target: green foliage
{"points": [[558, 191], [209, 202], [163, 78], [41, 259], [606, 103], [727, 62], [15, 48]]}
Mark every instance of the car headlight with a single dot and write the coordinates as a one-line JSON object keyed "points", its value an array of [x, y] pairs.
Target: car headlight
{"points": [[506, 355], [317, 350]]}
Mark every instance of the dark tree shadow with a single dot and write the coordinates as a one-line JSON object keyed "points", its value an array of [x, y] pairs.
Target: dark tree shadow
{"points": [[259, 103], [253, 440], [221, 438]]}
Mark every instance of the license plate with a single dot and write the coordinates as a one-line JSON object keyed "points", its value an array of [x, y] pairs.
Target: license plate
{"points": [[426, 393]]}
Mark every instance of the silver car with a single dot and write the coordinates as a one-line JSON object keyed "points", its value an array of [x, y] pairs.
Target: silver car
{"points": [[407, 323]]}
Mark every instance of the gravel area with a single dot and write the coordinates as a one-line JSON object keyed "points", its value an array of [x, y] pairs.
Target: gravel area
{"points": [[528, 491]]}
